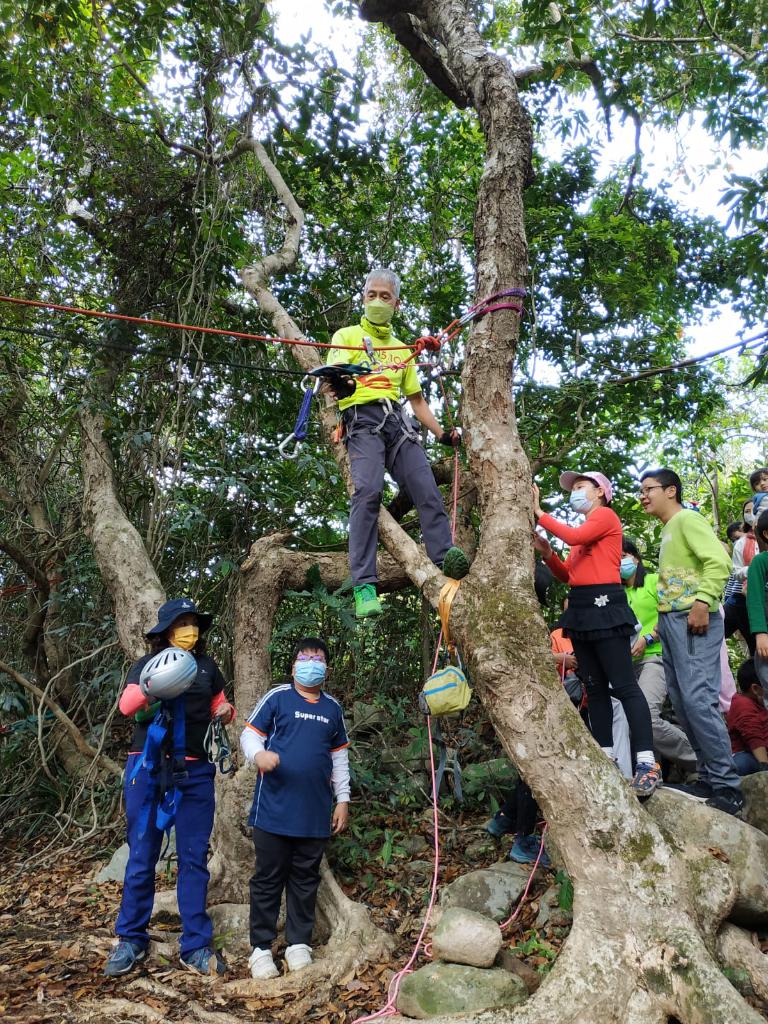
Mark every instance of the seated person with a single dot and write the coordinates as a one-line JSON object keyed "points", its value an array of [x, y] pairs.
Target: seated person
{"points": [[747, 722]]}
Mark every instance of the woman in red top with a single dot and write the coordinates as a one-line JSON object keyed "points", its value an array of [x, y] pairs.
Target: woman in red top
{"points": [[598, 620]]}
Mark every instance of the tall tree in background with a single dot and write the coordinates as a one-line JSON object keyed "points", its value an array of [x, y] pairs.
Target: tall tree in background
{"points": [[145, 196]]}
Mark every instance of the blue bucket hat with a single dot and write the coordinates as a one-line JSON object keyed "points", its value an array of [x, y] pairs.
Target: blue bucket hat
{"points": [[170, 611]]}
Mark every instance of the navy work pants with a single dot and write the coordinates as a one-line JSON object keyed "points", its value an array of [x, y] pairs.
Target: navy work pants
{"points": [[370, 454], [194, 822]]}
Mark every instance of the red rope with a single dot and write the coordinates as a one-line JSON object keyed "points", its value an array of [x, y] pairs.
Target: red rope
{"points": [[146, 322], [428, 342], [524, 897]]}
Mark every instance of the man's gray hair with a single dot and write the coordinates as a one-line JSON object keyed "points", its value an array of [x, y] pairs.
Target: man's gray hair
{"points": [[383, 274]]}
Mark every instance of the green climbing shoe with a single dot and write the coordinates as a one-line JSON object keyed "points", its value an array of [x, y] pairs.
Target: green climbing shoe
{"points": [[366, 601], [455, 564]]}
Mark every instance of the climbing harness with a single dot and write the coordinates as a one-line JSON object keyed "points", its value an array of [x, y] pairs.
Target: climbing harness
{"points": [[167, 773], [218, 747], [426, 343]]}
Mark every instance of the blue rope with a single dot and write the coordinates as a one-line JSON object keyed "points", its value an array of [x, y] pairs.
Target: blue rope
{"points": [[302, 420]]}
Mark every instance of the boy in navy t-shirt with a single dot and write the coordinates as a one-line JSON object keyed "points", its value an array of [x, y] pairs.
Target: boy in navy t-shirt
{"points": [[297, 738]]}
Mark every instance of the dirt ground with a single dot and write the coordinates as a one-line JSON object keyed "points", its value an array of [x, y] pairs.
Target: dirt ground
{"points": [[56, 930]]}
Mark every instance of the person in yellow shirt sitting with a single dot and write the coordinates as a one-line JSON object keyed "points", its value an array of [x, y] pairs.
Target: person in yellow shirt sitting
{"points": [[380, 436]]}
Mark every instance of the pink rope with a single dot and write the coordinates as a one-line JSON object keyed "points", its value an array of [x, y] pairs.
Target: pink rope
{"points": [[523, 898], [389, 1009]]}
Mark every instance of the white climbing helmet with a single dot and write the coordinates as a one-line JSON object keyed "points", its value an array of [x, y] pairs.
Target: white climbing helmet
{"points": [[168, 674]]}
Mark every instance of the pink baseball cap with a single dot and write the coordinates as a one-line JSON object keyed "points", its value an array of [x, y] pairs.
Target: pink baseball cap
{"points": [[567, 480]]}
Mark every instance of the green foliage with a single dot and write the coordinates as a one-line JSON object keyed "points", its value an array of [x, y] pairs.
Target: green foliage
{"points": [[117, 196], [564, 891], [535, 946]]}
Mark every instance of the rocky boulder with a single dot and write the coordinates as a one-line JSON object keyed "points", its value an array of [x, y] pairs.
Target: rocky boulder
{"points": [[466, 937], [491, 891], [755, 790], [744, 847], [452, 988], [114, 871], [368, 717], [488, 778]]}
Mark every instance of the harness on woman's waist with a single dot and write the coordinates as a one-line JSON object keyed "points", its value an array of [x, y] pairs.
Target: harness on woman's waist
{"points": [[166, 772]]}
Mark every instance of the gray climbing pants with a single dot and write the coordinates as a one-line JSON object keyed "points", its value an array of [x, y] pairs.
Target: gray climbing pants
{"points": [[668, 741], [692, 668], [377, 440]]}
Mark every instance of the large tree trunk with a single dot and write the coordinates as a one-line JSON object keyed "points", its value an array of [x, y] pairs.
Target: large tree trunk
{"points": [[124, 564], [645, 907]]}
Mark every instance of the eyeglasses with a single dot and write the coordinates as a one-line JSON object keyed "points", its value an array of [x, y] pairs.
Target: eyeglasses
{"points": [[311, 657], [645, 491]]}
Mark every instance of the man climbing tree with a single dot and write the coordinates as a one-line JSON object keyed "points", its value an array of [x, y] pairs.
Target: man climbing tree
{"points": [[653, 894], [380, 435]]}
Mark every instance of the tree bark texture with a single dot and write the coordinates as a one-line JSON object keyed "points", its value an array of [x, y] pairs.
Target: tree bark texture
{"points": [[646, 904], [124, 564]]}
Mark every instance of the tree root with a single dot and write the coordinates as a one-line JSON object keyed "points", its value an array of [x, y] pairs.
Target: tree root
{"points": [[106, 1010], [737, 951], [743, 848]]}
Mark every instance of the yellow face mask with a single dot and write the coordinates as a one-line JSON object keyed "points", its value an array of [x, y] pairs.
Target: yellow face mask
{"points": [[184, 637]]}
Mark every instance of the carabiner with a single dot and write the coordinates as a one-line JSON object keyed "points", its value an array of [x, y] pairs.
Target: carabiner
{"points": [[282, 447]]}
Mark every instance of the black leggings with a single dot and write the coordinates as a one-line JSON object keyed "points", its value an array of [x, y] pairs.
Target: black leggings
{"points": [[737, 620], [609, 661], [521, 808]]}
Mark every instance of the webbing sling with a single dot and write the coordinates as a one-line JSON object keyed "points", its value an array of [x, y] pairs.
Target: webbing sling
{"points": [[163, 793], [437, 736]]}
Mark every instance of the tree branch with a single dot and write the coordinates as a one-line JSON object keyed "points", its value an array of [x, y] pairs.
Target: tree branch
{"points": [[79, 740], [405, 28], [26, 564], [737, 951]]}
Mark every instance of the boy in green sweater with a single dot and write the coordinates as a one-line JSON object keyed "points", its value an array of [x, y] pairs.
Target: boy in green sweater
{"points": [[757, 599], [693, 568]]}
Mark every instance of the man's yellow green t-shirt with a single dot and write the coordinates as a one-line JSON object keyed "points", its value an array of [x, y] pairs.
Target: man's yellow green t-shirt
{"points": [[384, 383]]}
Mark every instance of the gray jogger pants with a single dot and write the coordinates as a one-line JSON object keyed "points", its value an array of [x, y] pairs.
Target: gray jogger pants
{"points": [[668, 741], [692, 668], [370, 454]]}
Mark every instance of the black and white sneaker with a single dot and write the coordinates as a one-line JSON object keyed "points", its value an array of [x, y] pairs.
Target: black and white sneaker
{"points": [[693, 790], [729, 800]]}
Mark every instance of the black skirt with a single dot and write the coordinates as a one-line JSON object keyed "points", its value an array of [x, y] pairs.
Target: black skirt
{"points": [[598, 611]]}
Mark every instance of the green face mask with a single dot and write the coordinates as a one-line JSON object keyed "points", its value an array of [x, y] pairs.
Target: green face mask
{"points": [[379, 312]]}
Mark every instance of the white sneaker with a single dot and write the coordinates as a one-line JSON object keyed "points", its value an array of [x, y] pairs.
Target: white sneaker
{"points": [[298, 956], [262, 965]]}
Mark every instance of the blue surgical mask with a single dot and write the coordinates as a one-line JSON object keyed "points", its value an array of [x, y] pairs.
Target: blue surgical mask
{"points": [[309, 673], [627, 568], [579, 502]]}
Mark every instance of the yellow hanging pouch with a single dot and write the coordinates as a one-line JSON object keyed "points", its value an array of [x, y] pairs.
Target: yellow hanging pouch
{"points": [[445, 692]]}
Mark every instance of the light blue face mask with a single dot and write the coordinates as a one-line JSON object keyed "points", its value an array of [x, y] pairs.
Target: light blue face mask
{"points": [[309, 673], [579, 502], [627, 568]]}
